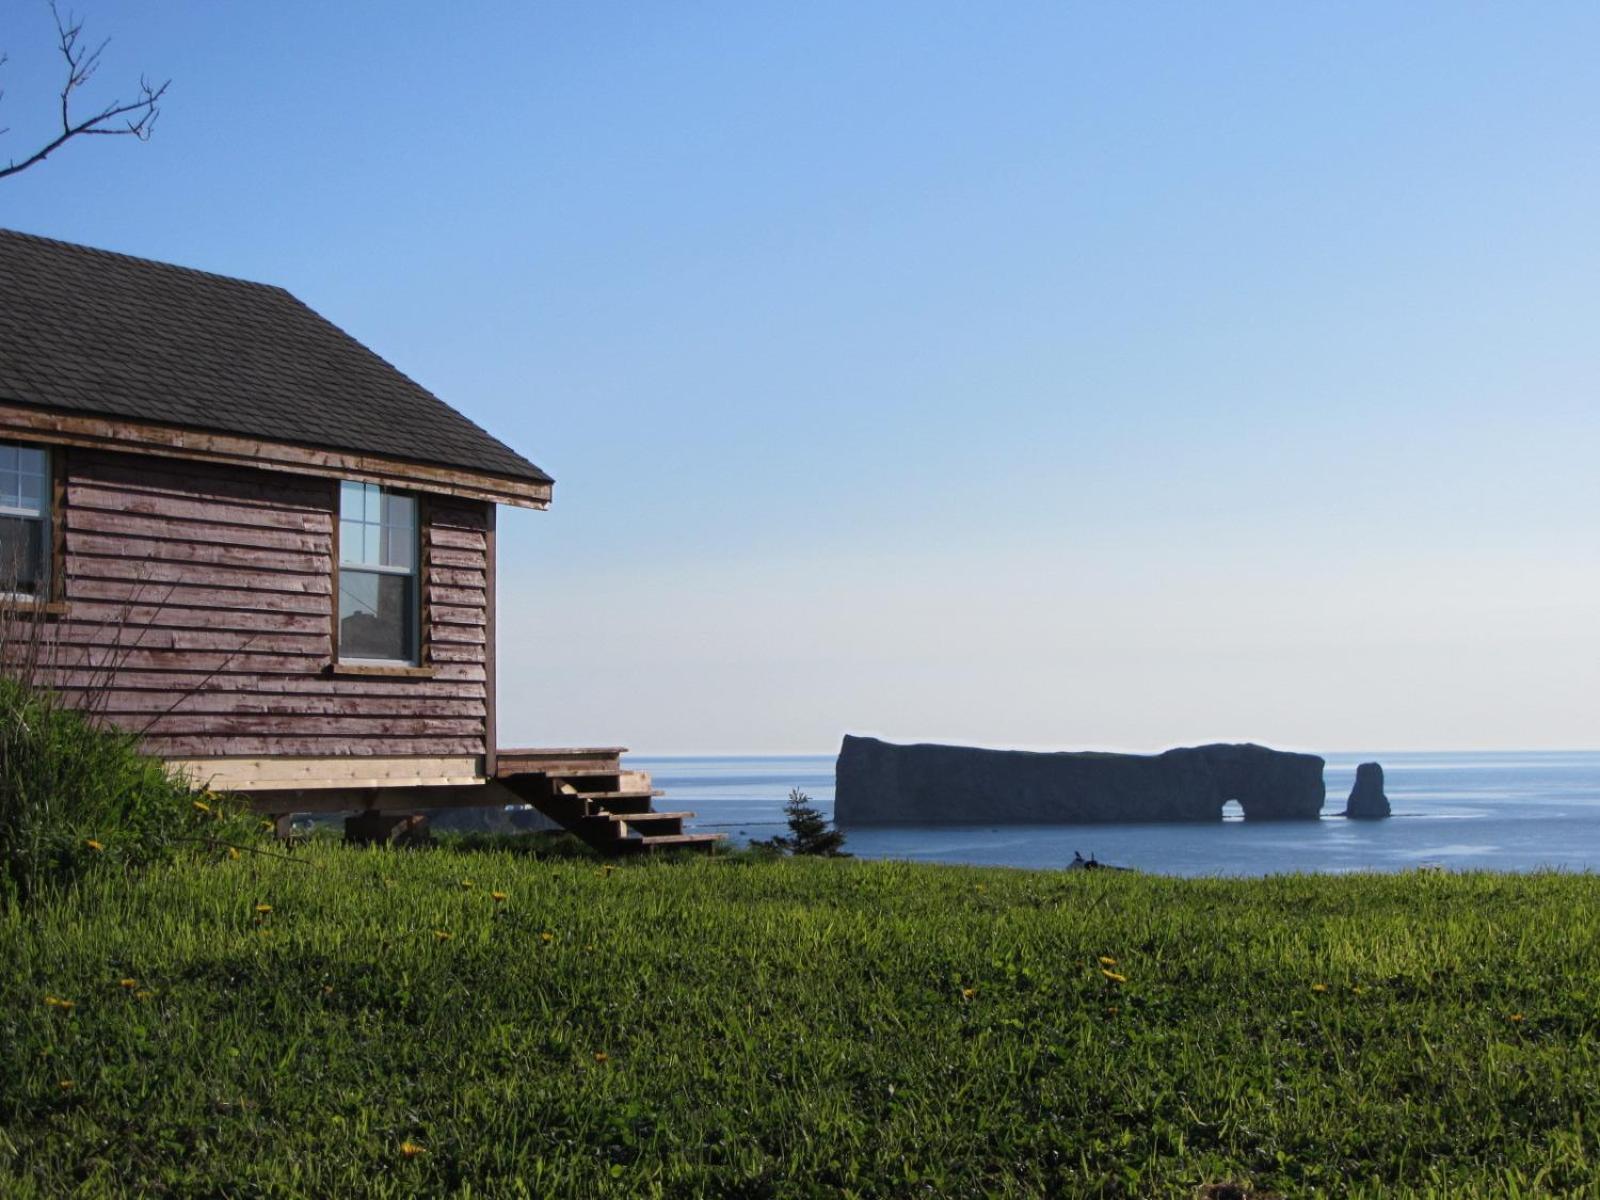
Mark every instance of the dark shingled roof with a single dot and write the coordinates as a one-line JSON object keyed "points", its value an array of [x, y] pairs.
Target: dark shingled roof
{"points": [[94, 332]]}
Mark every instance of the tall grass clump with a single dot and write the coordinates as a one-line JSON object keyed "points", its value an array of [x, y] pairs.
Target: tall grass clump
{"points": [[76, 793], [73, 796]]}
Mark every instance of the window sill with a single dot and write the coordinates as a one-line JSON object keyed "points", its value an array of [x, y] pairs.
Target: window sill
{"points": [[22, 604], [356, 668]]}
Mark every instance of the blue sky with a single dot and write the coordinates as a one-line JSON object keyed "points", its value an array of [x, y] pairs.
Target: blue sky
{"points": [[1048, 375]]}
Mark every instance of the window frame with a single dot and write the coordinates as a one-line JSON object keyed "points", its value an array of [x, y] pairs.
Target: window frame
{"points": [[417, 664], [51, 597]]}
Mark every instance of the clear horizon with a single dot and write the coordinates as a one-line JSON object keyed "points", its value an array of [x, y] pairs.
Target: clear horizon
{"points": [[1052, 376]]}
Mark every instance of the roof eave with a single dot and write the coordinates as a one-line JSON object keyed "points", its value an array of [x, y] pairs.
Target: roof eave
{"points": [[55, 427]]}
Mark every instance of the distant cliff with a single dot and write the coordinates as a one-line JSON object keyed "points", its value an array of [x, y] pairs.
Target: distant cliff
{"points": [[877, 783]]}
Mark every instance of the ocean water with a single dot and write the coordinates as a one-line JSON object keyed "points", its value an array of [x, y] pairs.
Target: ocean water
{"points": [[1502, 811]]}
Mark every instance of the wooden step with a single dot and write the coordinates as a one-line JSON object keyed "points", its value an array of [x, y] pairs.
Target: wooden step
{"points": [[620, 826], [618, 802], [681, 841]]}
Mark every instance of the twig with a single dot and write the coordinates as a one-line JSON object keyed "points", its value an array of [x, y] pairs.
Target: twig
{"points": [[211, 841], [136, 118]]}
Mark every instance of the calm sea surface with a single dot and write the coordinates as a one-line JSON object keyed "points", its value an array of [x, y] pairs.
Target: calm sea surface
{"points": [[1503, 811]]}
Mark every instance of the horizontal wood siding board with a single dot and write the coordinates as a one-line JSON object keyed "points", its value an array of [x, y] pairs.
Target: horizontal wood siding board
{"points": [[472, 598], [451, 614], [177, 683], [152, 637], [456, 539], [194, 747], [450, 578], [91, 520], [165, 507], [444, 556], [234, 703], [249, 489], [167, 550], [150, 572], [265, 619], [448, 652], [460, 635], [296, 725], [199, 610], [449, 514], [178, 596]]}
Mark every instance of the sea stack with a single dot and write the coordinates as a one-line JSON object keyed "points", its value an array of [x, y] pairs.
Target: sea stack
{"points": [[1367, 800]]}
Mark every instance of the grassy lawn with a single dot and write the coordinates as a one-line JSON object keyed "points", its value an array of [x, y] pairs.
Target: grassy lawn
{"points": [[392, 1028]]}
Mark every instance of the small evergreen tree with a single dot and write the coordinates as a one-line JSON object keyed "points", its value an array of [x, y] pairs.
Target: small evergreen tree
{"points": [[808, 830]]}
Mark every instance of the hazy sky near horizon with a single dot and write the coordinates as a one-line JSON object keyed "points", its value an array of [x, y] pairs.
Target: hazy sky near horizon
{"points": [[1055, 375]]}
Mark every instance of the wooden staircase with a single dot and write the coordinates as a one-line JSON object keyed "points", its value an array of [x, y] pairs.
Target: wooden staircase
{"points": [[589, 792]]}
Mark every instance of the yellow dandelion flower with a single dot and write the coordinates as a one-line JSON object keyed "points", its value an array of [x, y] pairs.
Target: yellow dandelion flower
{"points": [[466, 884], [1112, 1010], [263, 909], [547, 936], [141, 995], [410, 1149], [601, 1056], [233, 852], [968, 993], [1107, 961], [201, 806], [1515, 1018], [442, 935], [97, 847], [64, 1084], [58, 1002], [1319, 987], [498, 897], [128, 982], [1113, 976]]}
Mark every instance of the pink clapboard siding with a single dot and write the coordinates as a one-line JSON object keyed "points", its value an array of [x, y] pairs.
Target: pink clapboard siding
{"points": [[199, 603]]}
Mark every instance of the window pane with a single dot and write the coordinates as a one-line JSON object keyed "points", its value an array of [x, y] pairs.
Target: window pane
{"points": [[371, 545], [22, 555], [373, 504], [350, 500], [31, 494], [349, 541], [399, 547], [8, 458], [399, 510], [376, 616]]}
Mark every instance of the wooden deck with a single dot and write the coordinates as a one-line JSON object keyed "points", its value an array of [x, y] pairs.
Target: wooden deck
{"points": [[586, 789]]}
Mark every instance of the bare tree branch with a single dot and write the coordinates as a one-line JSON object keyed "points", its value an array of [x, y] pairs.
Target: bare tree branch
{"points": [[137, 118]]}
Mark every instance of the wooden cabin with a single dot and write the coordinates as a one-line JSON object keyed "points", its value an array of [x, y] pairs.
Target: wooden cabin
{"points": [[251, 540]]}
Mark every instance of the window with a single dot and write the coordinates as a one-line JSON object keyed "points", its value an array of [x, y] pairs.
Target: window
{"points": [[377, 574], [24, 521]]}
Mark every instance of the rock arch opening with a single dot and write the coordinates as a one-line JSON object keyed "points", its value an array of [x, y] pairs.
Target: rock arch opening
{"points": [[1232, 810]]}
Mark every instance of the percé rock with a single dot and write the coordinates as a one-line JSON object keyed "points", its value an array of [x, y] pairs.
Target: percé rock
{"points": [[878, 783], [1367, 800]]}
